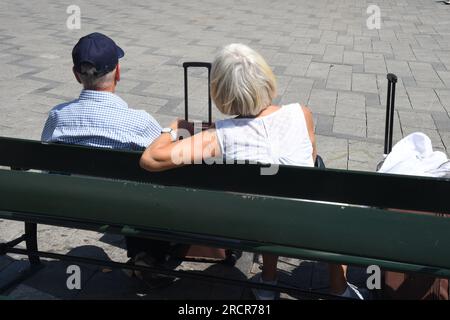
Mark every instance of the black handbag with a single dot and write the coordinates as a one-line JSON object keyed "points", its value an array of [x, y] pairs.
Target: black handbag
{"points": [[319, 162]]}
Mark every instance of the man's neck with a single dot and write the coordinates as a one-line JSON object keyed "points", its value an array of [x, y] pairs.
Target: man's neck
{"points": [[107, 90], [111, 89]]}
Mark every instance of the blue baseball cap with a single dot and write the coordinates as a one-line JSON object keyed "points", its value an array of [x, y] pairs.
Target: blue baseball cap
{"points": [[98, 50]]}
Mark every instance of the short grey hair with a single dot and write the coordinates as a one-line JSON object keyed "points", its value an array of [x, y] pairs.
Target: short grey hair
{"points": [[242, 83], [90, 79]]}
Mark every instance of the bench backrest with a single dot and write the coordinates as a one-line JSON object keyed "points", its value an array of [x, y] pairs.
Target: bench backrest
{"points": [[278, 214], [332, 185]]}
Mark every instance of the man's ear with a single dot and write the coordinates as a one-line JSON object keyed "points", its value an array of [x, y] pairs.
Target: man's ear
{"points": [[77, 76], [117, 78]]}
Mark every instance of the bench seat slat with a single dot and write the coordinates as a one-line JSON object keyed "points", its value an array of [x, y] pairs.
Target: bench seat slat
{"points": [[265, 221]]}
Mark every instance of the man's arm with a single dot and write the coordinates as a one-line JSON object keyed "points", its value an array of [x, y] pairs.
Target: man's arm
{"points": [[149, 132], [49, 128]]}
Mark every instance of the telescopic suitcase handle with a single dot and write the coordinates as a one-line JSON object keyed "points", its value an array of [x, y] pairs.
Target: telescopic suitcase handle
{"points": [[187, 65], [390, 105]]}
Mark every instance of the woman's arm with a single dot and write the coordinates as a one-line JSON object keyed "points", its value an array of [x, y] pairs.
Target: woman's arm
{"points": [[164, 154], [310, 125]]}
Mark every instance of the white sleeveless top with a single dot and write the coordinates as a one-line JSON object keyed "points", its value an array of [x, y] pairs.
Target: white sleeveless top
{"points": [[278, 138]]}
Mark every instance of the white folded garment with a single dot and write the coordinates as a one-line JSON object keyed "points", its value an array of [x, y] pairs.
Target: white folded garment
{"points": [[414, 155]]}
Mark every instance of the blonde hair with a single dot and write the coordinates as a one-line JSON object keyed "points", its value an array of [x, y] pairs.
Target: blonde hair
{"points": [[242, 82]]}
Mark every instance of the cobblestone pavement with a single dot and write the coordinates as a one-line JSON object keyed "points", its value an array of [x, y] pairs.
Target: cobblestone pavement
{"points": [[322, 53]]}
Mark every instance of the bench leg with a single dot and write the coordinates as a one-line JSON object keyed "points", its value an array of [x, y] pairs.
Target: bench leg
{"points": [[15, 273], [31, 242]]}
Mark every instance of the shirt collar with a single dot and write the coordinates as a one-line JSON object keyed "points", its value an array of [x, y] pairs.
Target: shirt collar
{"points": [[103, 96]]}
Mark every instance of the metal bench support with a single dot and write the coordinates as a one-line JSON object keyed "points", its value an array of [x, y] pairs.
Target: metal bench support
{"points": [[19, 275], [303, 294], [31, 242]]}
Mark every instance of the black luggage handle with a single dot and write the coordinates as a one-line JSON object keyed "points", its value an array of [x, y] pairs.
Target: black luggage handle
{"points": [[390, 105], [197, 65], [187, 65]]}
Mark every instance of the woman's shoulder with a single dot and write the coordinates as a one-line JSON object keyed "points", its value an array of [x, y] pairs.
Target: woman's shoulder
{"points": [[299, 112], [296, 107]]}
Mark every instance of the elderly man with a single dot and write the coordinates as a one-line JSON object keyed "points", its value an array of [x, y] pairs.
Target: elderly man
{"points": [[100, 118]]}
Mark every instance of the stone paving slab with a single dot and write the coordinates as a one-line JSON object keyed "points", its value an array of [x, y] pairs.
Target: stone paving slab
{"points": [[321, 51]]}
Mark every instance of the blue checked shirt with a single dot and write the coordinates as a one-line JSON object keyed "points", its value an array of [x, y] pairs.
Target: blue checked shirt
{"points": [[100, 119]]}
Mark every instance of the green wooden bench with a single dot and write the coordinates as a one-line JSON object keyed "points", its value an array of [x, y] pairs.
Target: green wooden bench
{"points": [[318, 214]]}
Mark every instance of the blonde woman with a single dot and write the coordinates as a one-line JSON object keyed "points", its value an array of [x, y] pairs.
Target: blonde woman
{"points": [[243, 86]]}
